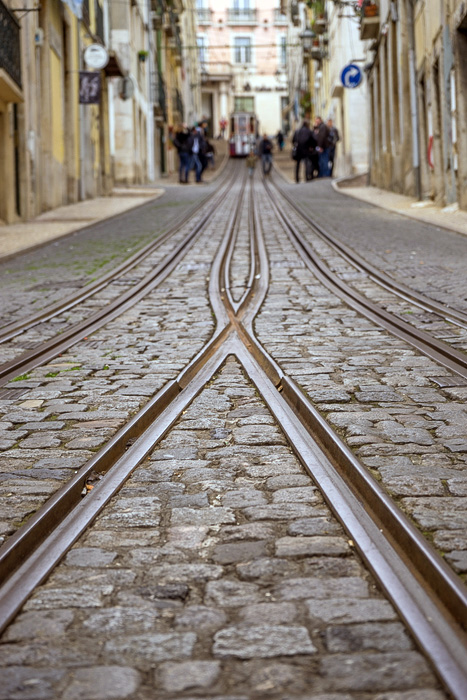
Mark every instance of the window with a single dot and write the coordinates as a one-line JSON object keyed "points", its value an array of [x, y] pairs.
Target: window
{"points": [[241, 12], [242, 49], [283, 51], [244, 104], [203, 12], [202, 49]]}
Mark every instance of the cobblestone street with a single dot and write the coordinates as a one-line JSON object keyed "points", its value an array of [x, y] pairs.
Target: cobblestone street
{"points": [[219, 568]]}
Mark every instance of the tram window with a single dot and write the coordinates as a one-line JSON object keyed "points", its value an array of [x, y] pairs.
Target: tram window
{"points": [[232, 125]]}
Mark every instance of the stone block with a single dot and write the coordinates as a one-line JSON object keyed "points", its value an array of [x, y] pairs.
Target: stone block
{"points": [[262, 641]]}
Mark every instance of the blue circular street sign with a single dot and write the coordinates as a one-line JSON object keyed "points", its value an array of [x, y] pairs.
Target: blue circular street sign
{"points": [[351, 76]]}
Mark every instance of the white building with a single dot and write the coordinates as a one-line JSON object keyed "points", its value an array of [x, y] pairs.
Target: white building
{"points": [[348, 107]]}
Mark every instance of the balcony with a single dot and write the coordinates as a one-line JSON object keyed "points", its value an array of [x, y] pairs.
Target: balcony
{"points": [[295, 13], [279, 17], [10, 57], [158, 96], [204, 15], [243, 16], [320, 25], [369, 22], [216, 72], [177, 106]]}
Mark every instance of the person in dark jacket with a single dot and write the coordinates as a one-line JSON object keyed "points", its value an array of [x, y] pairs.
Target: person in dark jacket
{"points": [[322, 146], [198, 147], [265, 151], [183, 145], [280, 140], [304, 146], [333, 139]]}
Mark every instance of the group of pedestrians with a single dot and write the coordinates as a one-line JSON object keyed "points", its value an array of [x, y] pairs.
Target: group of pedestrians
{"points": [[194, 151], [316, 147]]}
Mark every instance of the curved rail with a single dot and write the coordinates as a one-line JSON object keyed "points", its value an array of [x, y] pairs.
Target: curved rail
{"points": [[56, 345], [431, 600], [399, 288], [439, 351], [13, 329]]}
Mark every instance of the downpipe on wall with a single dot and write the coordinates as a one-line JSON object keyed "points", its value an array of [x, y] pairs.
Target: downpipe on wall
{"points": [[413, 99]]}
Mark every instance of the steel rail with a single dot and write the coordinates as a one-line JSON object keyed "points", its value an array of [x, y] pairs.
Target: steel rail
{"points": [[27, 538], [58, 344], [435, 631], [449, 357], [11, 330], [376, 275], [236, 305]]}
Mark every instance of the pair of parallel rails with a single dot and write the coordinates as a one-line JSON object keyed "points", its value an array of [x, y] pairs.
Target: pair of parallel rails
{"points": [[430, 598]]}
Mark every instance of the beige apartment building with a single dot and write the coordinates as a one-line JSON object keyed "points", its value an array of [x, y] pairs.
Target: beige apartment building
{"points": [[417, 72], [243, 48]]}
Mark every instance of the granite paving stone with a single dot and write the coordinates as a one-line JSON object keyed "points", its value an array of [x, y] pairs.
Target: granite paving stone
{"points": [[377, 392], [218, 599]]}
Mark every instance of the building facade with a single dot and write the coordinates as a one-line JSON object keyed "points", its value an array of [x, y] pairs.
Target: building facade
{"points": [[70, 130], [243, 49], [417, 67]]}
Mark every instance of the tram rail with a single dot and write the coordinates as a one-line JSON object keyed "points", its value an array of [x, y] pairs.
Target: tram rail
{"points": [[400, 289], [441, 352], [49, 349], [428, 596]]}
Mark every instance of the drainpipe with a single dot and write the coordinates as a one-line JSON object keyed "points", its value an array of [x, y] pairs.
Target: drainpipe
{"points": [[413, 99], [82, 188]]}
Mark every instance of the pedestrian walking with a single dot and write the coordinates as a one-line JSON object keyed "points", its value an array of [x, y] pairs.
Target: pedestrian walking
{"points": [[304, 144], [280, 140], [182, 143], [333, 139], [251, 163], [322, 147], [265, 151], [197, 145], [222, 126], [210, 153]]}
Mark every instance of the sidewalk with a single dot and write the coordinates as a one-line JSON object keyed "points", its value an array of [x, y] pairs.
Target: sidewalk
{"points": [[426, 212], [26, 235], [15, 238]]}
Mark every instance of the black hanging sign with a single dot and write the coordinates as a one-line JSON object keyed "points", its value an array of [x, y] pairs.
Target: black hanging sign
{"points": [[89, 87]]}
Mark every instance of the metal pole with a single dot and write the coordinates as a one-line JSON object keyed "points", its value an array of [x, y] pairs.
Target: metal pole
{"points": [[413, 101]]}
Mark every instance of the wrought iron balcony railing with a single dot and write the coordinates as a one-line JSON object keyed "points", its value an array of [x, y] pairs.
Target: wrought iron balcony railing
{"points": [[204, 15], [241, 16], [10, 48], [158, 94], [279, 17], [177, 104]]}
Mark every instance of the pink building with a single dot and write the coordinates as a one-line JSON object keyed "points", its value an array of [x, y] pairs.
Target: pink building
{"points": [[243, 50]]}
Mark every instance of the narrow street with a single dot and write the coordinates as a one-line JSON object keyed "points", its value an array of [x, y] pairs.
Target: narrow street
{"points": [[237, 469]]}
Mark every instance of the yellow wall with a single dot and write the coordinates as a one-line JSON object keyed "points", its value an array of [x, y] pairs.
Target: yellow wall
{"points": [[58, 149]]}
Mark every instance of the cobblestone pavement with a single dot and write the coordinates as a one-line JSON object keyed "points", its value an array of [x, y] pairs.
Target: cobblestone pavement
{"points": [[116, 288], [448, 332], [72, 405], [424, 257], [217, 571], [376, 391], [40, 277], [240, 264]]}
